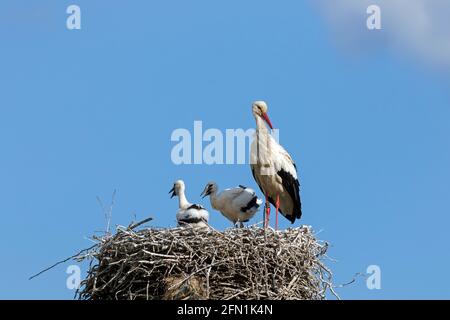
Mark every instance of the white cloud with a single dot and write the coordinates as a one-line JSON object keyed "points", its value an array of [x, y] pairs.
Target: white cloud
{"points": [[417, 28]]}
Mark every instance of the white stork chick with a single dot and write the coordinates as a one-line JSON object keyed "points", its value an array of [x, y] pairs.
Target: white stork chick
{"points": [[236, 204], [274, 170], [188, 214]]}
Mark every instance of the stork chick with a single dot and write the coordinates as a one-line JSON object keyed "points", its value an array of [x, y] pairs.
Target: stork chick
{"points": [[188, 214], [236, 204]]}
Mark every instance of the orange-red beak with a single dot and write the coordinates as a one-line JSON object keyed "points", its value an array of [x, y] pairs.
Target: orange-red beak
{"points": [[267, 120]]}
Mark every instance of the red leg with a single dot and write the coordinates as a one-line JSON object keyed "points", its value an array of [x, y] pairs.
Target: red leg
{"points": [[267, 212], [276, 213], [264, 213]]}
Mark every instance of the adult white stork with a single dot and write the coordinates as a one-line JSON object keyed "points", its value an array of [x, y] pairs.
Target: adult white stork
{"points": [[274, 170], [188, 214], [236, 204]]}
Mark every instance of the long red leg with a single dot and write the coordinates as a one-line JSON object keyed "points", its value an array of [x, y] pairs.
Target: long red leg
{"points": [[276, 213], [264, 214], [267, 213]]}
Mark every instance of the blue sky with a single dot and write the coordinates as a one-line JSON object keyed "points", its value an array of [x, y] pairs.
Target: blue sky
{"points": [[86, 112]]}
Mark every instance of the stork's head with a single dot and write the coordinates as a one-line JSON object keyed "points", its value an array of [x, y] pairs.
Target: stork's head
{"points": [[210, 188], [259, 109], [178, 187]]}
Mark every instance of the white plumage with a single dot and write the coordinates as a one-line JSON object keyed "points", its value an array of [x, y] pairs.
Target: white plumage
{"points": [[188, 214], [236, 204], [273, 168]]}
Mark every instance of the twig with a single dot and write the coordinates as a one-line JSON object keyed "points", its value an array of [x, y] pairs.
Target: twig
{"points": [[137, 224], [62, 261], [108, 212]]}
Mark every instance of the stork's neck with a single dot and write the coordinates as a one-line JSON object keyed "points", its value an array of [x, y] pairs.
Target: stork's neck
{"points": [[214, 200], [183, 203], [261, 127], [263, 135]]}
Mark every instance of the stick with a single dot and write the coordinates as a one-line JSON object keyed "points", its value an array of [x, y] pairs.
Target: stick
{"points": [[137, 224], [62, 261]]}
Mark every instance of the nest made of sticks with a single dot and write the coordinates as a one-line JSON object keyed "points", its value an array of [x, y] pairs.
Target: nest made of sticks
{"points": [[187, 263]]}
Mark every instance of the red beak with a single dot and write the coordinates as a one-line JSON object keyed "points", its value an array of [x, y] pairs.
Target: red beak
{"points": [[266, 119]]}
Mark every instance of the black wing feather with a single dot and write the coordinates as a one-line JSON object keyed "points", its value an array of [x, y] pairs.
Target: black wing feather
{"points": [[252, 203], [292, 187], [190, 220], [196, 207]]}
